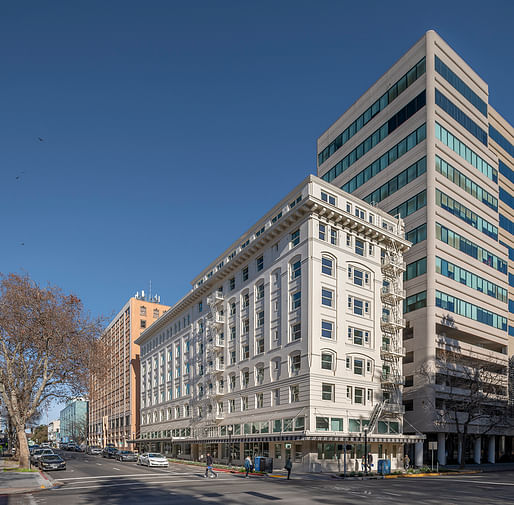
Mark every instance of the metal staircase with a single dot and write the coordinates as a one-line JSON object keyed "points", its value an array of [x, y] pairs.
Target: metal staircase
{"points": [[391, 324]]}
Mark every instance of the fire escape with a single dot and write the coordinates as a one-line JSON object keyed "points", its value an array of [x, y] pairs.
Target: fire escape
{"points": [[391, 324]]}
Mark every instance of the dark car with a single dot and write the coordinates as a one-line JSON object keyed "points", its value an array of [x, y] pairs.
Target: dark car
{"points": [[51, 462], [38, 453], [126, 456], [76, 448], [109, 452]]}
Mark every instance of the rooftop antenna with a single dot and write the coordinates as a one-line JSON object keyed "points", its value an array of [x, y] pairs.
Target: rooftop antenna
{"points": [[150, 296]]}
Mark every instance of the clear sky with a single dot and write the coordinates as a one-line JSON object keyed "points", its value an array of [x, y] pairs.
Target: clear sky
{"points": [[168, 128]]}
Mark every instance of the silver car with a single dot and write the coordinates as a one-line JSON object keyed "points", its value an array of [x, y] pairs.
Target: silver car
{"points": [[152, 459]]}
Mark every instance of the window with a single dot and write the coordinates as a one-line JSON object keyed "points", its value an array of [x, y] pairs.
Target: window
{"points": [[358, 365], [142, 311], [246, 300], [143, 323], [327, 392], [328, 198], [295, 364], [296, 300], [296, 270], [349, 390], [246, 326], [200, 306], [415, 269], [327, 329], [232, 283], [245, 378], [322, 232], [327, 265], [296, 332], [360, 213], [245, 274], [357, 306], [359, 277], [260, 263], [275, 396], [294, 394], [155, 313], [295, 238], [327, 297], [322, 423], [232, 332], [359, 396], [259, 400], [259, 374], [232, 382], [259, 346], [348, 240], [260, 319], [245, 351], [336, 424], [415, 302], [244, 403], [333, 236], [232, 357], [359, 247], [327, 361]]}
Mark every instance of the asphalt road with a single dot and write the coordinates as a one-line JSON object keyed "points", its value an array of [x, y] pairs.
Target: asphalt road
{"points": [[95, 480]]}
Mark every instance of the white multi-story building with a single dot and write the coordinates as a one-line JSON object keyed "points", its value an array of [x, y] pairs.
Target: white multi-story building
{"points": [[289, 343], [54, 431]]}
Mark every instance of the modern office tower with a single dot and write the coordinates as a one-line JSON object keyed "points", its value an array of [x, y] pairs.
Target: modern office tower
{"points": [[289, 343], [73, 421], [114, 397], [423, 144]]}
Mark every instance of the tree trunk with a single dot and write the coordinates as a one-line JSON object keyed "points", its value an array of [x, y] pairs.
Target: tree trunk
{"points": [[463, 439], [23, 448]]}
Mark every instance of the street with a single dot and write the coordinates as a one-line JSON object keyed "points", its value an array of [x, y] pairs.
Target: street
{"points": [[93, 479]]}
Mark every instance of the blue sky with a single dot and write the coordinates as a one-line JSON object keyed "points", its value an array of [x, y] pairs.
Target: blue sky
{"points": [[169, 127]]}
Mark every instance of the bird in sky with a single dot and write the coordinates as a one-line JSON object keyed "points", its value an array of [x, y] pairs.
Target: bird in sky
{"points": [[40, 139]]}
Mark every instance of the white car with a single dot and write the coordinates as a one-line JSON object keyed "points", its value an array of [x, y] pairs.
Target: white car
{"points": [[152, 459]]}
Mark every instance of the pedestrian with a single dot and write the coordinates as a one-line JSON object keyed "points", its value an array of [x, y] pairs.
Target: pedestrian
{"points": [[288, 466], [248, 466], [208, 461], [406, 462]]}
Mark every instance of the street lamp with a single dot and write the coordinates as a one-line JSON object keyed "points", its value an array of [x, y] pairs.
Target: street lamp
{"points": [[229, 429]]}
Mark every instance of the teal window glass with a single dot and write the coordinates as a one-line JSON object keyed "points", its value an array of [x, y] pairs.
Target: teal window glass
{"points": [[501, 140], [415, 269], [410, 206], [418, 234], [415, 302]]}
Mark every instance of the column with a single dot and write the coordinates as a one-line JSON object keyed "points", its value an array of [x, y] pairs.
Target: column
{"points": [[478, 450], [459, 450], [441, 448], [418, 454], [491, 449]]}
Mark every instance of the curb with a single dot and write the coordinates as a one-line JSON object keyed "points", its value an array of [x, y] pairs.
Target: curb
{"points": [[431, 474]]}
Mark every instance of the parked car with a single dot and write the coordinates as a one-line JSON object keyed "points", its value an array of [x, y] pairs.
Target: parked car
{"points": [[109, 452], [32, 448], [51, 462], [152, 459], [94, 450], [126, 456], [76, 448], [38, 453]]}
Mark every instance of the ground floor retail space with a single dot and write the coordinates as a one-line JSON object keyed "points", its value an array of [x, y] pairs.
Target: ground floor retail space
{"points": [[307, 455]]}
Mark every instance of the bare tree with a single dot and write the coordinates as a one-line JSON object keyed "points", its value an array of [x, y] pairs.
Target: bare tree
{"points": [[471, 393], [48, 347]]}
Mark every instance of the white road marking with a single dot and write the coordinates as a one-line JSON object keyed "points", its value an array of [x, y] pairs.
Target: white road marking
{"points": [[210, 481], [141, 476], [99, 464], [114, 468], [488, 482]]}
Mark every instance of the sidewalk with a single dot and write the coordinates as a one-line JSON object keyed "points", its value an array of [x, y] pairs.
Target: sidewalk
{"points": [[13, 482]]}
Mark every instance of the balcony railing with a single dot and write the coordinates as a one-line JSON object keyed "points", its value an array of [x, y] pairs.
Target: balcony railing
{"points": [[392, 378]]}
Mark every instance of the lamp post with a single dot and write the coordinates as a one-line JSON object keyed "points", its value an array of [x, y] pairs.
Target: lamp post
{"points": [[229, 429], [365, 450]]}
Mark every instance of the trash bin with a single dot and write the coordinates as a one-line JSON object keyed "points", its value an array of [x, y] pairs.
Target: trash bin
{"points": [[269, 465], [384, 466], [259, 462]]}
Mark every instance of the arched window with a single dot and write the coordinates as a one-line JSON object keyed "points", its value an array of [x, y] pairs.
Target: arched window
{"points": [[295, 268], [295, 363], [328, 265], [328, 359]]}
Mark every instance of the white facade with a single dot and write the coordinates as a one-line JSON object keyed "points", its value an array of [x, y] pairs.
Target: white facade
{"points": [[54, 428], [290, 339]]}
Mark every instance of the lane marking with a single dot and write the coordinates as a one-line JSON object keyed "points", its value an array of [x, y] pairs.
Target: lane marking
{"points": [[479, 481], [99, 464], [114, 468], [209, 482], [147, 475]]}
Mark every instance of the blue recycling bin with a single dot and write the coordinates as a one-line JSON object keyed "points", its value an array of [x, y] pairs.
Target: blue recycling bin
{"points": [[259, 464], [384, 466]]}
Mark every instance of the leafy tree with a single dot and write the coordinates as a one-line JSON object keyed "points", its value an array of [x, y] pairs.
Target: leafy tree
{"points": [[40, 434], [49, 346]]}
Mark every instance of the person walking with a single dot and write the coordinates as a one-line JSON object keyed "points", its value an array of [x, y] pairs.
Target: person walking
{"points": [[248, 466], [208, 461], [406, 462], [288, 466]]}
